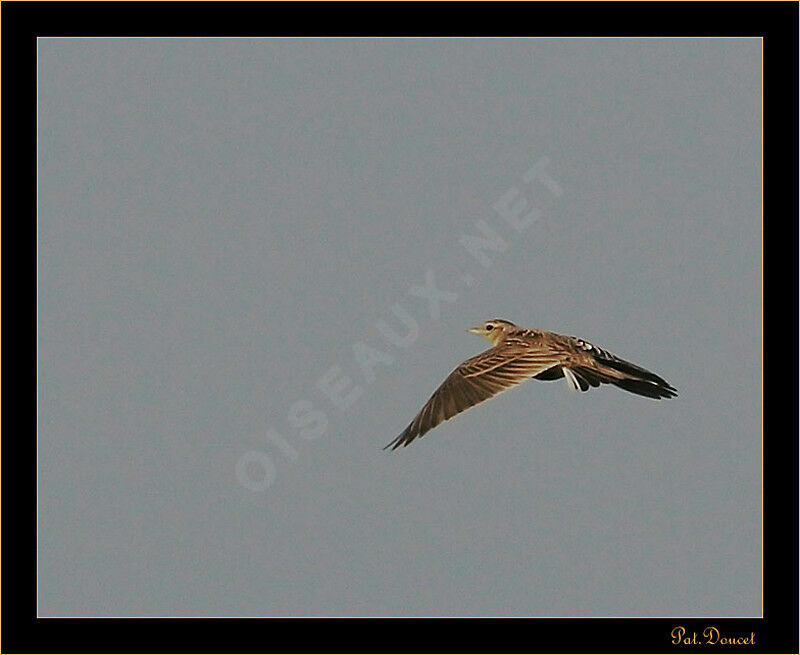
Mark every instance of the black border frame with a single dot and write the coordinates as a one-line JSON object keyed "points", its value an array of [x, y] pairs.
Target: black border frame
{"points": [[23, 22]]}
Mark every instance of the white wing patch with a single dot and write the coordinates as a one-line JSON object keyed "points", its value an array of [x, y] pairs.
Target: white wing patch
{"points": [[572, 381]]}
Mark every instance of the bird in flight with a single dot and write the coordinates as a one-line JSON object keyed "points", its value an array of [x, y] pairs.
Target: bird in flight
{"points": [[518, 354]]}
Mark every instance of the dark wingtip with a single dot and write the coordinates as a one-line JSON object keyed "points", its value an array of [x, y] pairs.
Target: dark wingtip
{"points": [[647, 389], [398, 441], [668, 390]]}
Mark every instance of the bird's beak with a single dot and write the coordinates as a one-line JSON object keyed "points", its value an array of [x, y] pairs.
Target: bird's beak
{"points": [[476, 330]]}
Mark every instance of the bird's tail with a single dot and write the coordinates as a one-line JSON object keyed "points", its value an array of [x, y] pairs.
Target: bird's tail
{"points": [[625, 375]]}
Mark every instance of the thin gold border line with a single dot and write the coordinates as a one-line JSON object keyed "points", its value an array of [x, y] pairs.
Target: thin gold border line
{"points": [[618, 38], [37, 327], [762, 327], [403, 37]]}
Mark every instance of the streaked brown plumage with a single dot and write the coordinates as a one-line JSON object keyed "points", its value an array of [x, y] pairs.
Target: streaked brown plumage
{"points": [[518, 354]]}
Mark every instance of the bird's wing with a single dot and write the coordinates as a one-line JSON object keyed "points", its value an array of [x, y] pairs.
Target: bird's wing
{"points": [[478, 379], [587, 365]]}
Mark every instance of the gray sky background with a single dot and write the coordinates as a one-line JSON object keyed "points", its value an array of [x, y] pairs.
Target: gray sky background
{"points": [[220, 221]]}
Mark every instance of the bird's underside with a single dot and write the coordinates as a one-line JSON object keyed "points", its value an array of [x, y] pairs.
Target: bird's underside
{"points": [[518, 355]]}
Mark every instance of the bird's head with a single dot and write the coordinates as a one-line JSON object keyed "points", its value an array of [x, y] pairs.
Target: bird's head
{"points": [[494, 331]]}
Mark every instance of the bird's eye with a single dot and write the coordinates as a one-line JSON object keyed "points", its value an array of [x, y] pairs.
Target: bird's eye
{"points": [[489, 327]]}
